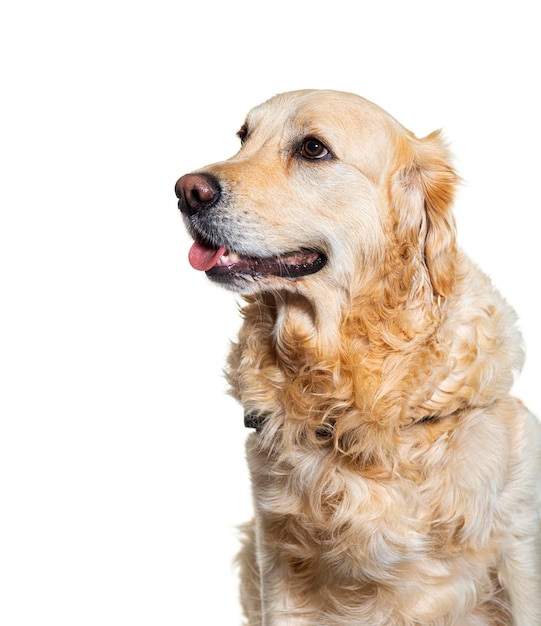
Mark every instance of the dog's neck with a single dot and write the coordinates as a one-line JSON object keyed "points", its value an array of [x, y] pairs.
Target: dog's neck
{"points": [[375, 369], [313, 324], [308, 370]]}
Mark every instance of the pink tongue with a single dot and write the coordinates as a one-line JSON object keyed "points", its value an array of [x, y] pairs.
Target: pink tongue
{"points": [[203, 258]]}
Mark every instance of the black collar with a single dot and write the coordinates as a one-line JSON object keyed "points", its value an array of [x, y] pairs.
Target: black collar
{"points": [[257, 421], [254, 420]]}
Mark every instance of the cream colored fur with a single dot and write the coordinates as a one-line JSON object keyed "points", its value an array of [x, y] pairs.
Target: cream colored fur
{"points": [[396, 481]]}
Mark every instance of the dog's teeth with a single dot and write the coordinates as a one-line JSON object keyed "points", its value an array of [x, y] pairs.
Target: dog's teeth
{"points": [[233, 257]]}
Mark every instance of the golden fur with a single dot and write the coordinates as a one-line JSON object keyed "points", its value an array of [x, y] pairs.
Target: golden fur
{"points": [[395, 480]]}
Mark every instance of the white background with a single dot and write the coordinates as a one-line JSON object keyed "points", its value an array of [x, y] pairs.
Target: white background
{"points": [[122, 475]]}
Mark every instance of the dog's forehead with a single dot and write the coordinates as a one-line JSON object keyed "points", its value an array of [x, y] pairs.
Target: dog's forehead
{"points": [[324, 108]]}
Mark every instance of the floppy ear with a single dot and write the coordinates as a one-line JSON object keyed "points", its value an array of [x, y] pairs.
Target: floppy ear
{"points": [[422, 191]]}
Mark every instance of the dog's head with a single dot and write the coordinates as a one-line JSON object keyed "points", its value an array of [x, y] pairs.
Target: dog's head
{"points": [[327, 190]]}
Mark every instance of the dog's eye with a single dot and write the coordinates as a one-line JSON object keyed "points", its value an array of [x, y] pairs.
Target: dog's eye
{"points": [[313, 149], [243, 133]]}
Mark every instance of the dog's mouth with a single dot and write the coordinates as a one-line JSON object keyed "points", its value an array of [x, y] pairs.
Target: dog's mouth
{"points": [[221, 264]]}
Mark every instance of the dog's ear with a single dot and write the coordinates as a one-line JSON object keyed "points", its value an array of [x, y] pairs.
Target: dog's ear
{"points": [[422, 189]]}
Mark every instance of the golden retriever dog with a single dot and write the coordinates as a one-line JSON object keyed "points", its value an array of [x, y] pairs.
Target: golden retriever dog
{"points": [[395, 479]]}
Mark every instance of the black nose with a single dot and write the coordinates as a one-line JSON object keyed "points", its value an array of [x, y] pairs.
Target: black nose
{"points": [[196, 192]]}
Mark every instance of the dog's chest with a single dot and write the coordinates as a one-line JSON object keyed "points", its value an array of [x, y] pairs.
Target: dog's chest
{"points": [[312, 510]]}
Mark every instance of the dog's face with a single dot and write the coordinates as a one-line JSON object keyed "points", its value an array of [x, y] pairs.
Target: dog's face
{"points": [[324, 186]]}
